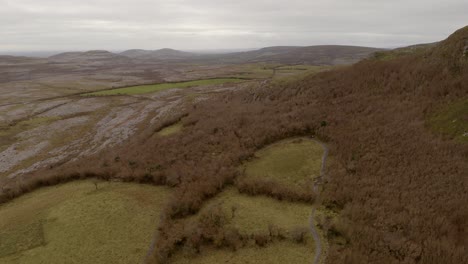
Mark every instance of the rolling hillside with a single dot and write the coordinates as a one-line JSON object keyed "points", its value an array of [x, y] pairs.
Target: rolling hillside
{"points": [[397, 187], [162, 54], [314, 55], [94, 57]]}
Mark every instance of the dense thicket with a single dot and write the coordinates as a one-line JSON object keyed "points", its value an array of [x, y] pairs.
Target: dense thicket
{"points": [[400, 189]]}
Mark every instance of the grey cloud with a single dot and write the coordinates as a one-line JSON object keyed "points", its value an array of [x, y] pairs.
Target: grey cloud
{"points": [[27, 25]]}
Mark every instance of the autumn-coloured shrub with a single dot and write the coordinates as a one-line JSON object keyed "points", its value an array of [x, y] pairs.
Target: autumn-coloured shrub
{"points": [[276, 190], [399, 188], [299, 234]]}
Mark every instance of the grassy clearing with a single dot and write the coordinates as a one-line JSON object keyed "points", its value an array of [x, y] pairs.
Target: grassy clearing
{"points": [[299, 68], [452, 121], [8, 132], [405, 51], [8, 129], [254, 214], [291, 162], [276, 253], [143, 89], [75, 223], [285, 74], [170, 130], [254, 71]]}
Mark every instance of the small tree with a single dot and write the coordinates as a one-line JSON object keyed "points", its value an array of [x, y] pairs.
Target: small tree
{"points": [[96, 182], [298, 234], [233, 211]]}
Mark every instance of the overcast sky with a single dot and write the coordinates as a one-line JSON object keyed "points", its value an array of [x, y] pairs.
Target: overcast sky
{"points": [[60, 25]]}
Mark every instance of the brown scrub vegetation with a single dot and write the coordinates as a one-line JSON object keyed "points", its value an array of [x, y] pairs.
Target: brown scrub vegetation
{"points": [[399, 188]]}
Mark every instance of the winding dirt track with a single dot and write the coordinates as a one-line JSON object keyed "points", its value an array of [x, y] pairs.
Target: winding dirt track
{"points": [[317, 182]]}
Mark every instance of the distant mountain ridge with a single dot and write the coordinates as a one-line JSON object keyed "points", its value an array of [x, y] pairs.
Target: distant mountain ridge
{"points": [[89, 57], [314, 55], [317, 55], [320, 55], [161, 54]]}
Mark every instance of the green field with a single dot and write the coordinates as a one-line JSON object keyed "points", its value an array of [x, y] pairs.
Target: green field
{"points": [[8, 132], [290, 73], [170, 130], [291, 162], [253, 214], [143, 89], [254, 71], [451, 120], [276, 253], [77, 223]]}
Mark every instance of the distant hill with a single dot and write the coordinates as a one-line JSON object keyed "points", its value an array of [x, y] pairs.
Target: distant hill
{"points": [[316, 55], [162, 54], [16, 60], [403, 51], [94, 57]]}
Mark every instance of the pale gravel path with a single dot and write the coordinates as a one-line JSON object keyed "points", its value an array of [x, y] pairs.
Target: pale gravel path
{"points": [[313, 228]]}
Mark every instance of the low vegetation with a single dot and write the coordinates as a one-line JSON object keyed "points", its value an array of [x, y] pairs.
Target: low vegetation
{"points": [[276, 253], [399, 190], [237, 221], [451, 120], [9, 130], [143, 89], [81, 222], [292, 162], [294, 73], [256, 214], [401, 52], [170, 130], [254, 71]]}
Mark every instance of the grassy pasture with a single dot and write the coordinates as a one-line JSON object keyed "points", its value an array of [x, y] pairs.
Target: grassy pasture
{"points": [[291, 162], [451, 121], [276, 253], [8, 132], [253, 214], [290, 73], [77, 223], [254, 71], [143, 89], [170, 130]]}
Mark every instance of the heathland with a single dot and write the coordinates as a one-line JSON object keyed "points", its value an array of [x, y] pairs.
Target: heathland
{"points": [[394, 124]]}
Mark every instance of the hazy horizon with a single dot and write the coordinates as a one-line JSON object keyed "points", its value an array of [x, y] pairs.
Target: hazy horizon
{"points": [[53, 26]]}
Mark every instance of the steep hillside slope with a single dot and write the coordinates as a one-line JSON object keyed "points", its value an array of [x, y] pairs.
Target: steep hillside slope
{"points": [[399, 189], [404, 51]]}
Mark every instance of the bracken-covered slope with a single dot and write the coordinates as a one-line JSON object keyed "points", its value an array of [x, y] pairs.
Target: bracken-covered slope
{"points": [[399, 188]]}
